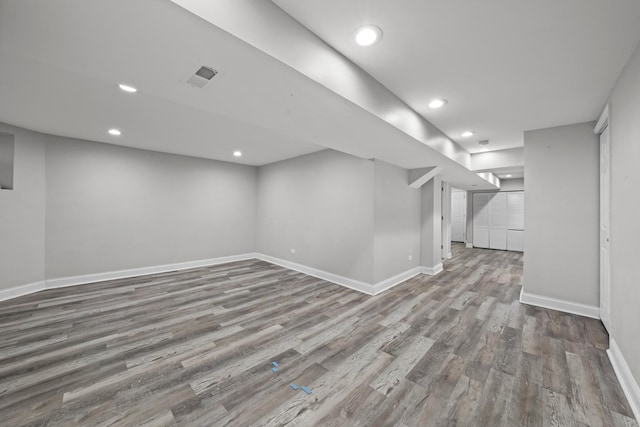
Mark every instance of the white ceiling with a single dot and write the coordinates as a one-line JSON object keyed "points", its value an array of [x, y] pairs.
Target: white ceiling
{"points": [[62, 61], [504, 66]]}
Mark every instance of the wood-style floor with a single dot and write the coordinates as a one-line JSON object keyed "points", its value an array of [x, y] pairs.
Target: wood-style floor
{"points": [[195, 348]]}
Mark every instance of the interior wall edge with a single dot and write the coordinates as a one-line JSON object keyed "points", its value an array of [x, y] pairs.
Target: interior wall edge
{"points": [[623, 372], [432, 271], [354, 284], [389, 283]]}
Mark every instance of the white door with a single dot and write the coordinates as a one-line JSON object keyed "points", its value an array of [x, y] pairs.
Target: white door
{"points": [[515, 221], [481, 220], [605, 229], [515, 240], [498, 221], [458, 215], [515, 210]]}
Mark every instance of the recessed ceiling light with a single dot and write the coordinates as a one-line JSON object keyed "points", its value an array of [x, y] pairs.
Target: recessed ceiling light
{"points": [[466, 134], [368, 35], [237, 153], [437, 103], [115, 132], [127, 88], [508, 176]]}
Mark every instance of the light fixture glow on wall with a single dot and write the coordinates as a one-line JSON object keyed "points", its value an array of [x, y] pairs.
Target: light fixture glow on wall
{"points": [[237, 153], [127, 88], [508, 176], [115, 132], [437, 103], [466, 134], [368, 35]]}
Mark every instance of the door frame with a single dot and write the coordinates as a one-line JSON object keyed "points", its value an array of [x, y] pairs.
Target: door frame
{"points": [[446, 220], [604, 125]]}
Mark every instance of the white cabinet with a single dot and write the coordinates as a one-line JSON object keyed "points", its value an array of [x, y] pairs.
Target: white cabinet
{"points": [[481, 220], [498, 220], [515, 209], [515, 221], [458, 215], [515, 240], [497, 238]]}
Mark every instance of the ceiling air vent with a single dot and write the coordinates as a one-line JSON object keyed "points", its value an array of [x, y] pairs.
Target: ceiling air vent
{"points": [[202, 76]]}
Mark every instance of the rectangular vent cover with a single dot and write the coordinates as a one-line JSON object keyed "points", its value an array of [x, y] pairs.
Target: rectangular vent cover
{"points": [[202, 76]]}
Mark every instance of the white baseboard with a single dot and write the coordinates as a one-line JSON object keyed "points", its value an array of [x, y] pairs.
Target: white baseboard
{"points": [[357, 285], [21, 290], [123, 274], [367, 288], [395, 280], [628, 383], [432, 271], [320, 274], [469, 245], [560, 305]]}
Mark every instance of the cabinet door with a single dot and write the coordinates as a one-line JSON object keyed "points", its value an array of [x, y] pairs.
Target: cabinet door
{"points": [[498, 221], [515, 210], [498, 238], [481, 220], [458, 215], [515, 240]]}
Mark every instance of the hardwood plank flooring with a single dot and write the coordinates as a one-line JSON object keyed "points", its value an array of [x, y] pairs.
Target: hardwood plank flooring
{"points": [[195, 347]]}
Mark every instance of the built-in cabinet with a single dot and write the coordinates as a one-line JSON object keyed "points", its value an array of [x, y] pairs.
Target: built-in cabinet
{"points": [[458, 215], [498, 220]]}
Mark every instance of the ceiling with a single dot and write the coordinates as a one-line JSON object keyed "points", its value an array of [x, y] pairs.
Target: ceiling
{"points": [[504, 66], [62, 61]]}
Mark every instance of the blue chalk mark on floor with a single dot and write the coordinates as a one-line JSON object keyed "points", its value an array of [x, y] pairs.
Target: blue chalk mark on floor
{"points": [[274, 369], [293, 386], [306, 389], [275, 364]]}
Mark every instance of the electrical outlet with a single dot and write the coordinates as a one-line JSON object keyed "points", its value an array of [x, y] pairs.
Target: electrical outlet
{"points": [[293, 251], [410, 257]]}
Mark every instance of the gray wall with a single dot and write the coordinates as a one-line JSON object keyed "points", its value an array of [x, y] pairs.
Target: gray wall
{"points": [[625, 227], [6, 161], [83, 207], [431, 228], [321, 205], [561, 213], [112, 208], [396, 220], [22, 213]]}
